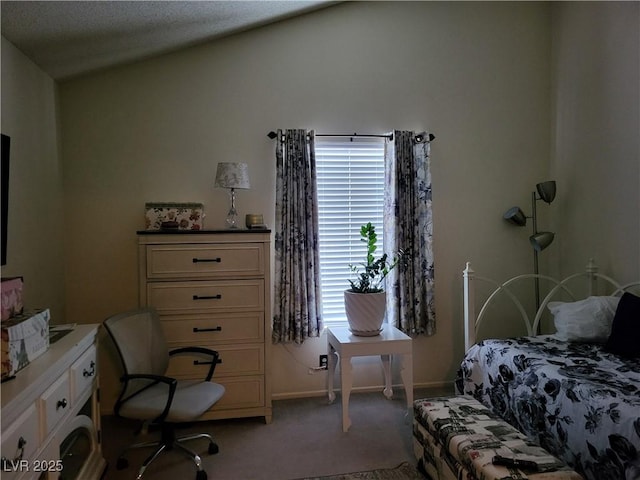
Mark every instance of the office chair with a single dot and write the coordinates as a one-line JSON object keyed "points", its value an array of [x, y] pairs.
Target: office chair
{"points": [[149, 395]]}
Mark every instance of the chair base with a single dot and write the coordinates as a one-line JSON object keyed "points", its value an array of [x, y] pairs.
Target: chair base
{"points": [[169, 441]]}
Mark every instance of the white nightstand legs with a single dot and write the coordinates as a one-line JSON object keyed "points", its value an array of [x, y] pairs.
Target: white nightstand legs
{"points": [[386, 367], [332, 362], [406, 373], [390, 342]]}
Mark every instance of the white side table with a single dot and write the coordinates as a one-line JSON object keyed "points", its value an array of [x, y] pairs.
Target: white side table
{"points": [[391, 341]]}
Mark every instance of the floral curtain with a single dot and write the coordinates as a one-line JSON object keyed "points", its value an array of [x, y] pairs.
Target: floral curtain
{"points": [[408, 226], [297, 309]]}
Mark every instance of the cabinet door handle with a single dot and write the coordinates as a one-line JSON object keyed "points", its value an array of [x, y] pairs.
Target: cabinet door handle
{"points": [[61, 404], [207, 297], [198, 330], [91, 372], [6, 463], [207, 260]]}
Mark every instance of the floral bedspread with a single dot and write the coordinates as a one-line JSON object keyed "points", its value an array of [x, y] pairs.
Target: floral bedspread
{"points": [[580, 403]]}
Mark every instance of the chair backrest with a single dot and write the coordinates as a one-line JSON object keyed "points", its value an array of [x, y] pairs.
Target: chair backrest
{"points": [[140, 341]]}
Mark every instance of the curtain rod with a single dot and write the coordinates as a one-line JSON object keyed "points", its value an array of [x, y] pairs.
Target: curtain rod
{"points": [[389, 135], [419, 137]]}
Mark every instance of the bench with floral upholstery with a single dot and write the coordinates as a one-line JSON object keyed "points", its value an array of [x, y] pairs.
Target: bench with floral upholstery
{"points": [[458, 438]]}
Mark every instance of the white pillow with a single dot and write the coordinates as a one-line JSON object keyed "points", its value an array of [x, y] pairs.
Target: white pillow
{"points": [[587, 320]]}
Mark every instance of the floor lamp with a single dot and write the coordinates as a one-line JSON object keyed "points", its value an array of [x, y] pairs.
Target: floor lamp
{"points": [[539, 240]]}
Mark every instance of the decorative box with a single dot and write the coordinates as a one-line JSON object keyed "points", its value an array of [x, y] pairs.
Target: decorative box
{"points": [[174, 216], [11, 297], [24, 338]]}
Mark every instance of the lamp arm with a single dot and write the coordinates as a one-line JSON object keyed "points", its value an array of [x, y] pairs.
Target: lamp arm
{"points": [[534, 214]]}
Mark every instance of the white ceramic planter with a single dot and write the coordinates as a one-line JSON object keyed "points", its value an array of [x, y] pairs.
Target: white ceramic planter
{"points": [[365, 312]]}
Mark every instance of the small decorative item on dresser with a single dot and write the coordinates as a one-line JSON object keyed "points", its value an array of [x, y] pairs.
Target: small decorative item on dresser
{"points": [[174, 216], [24, 338], [11, 294], [255, 221]]}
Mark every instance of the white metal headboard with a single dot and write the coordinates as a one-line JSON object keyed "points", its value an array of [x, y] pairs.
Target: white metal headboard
{"points": [[473, 321]]}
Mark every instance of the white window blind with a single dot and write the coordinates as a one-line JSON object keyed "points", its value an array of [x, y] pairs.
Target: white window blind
{"points": [[350, 173]]}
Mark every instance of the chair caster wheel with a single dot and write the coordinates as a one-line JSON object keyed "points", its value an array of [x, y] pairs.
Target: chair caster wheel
{"points": [[122, 463], [201, 475], [213, 449]]}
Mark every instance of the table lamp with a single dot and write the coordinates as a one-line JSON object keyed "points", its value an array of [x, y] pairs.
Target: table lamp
{"points": [[232, 175]]}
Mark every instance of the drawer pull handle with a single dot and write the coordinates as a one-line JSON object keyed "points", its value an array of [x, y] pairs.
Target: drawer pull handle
{"points": [[205, 260], [207, 297], [198, 330], [61, 404], [198, 362], [6, 463], [90, 373]]}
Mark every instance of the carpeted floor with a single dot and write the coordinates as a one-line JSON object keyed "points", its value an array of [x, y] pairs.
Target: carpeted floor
{"points": [[404, 471], [305, 440]]}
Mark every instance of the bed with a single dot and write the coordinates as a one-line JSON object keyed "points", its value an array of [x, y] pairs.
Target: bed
{"points": [[575, 392]]}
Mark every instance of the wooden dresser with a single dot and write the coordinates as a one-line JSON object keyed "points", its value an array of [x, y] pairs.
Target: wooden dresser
{"points": [[212, 289], [51, 415]]}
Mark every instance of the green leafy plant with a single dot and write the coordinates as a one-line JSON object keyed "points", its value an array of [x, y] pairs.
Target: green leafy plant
{"points": [[371, 274]]}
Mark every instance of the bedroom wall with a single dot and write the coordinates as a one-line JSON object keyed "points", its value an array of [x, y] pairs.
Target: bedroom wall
{"points": [[155, 127], [35, 248], [596, 139], [475, 74]]}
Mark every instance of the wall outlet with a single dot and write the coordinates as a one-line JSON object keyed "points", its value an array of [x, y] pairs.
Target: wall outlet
{"points": [[324, 362]]}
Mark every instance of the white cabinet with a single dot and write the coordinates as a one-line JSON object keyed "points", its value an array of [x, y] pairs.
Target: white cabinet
{"points": [[212, 289], [53, 398], [20, 442]]}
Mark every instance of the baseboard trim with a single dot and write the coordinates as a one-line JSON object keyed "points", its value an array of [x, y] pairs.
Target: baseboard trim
{"points": [[367, 389]]}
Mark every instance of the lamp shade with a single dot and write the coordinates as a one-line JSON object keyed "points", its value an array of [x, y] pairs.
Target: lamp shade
{"points": [[547, 190], [516, 216], [541, 240], [232, 175]]}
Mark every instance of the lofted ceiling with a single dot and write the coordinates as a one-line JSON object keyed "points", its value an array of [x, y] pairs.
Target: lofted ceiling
{"points": [[70, 38]]}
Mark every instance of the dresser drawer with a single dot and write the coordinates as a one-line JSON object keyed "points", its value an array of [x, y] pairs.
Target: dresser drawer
{"points": [[83, 372], [236, 360], [172, 298], [204, 261], [55, 402], [19, 442], [241, 392], [219, 328]]}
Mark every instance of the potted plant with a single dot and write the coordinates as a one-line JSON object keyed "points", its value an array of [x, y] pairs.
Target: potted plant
{"points": [[365, 302]]}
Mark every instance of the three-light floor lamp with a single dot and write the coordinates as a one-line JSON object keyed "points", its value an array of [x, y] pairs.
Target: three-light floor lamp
{"points": [[539, 240]]}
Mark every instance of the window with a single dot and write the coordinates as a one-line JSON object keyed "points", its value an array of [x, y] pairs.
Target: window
{"points": [[350, 173]]}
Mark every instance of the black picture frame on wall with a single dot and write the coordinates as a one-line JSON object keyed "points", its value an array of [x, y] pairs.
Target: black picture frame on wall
{"points": [[4, 199]]}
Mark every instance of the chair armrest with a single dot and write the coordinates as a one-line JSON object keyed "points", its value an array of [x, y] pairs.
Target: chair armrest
{"points": [[148, 376], [172, 383], [215, 357]]}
